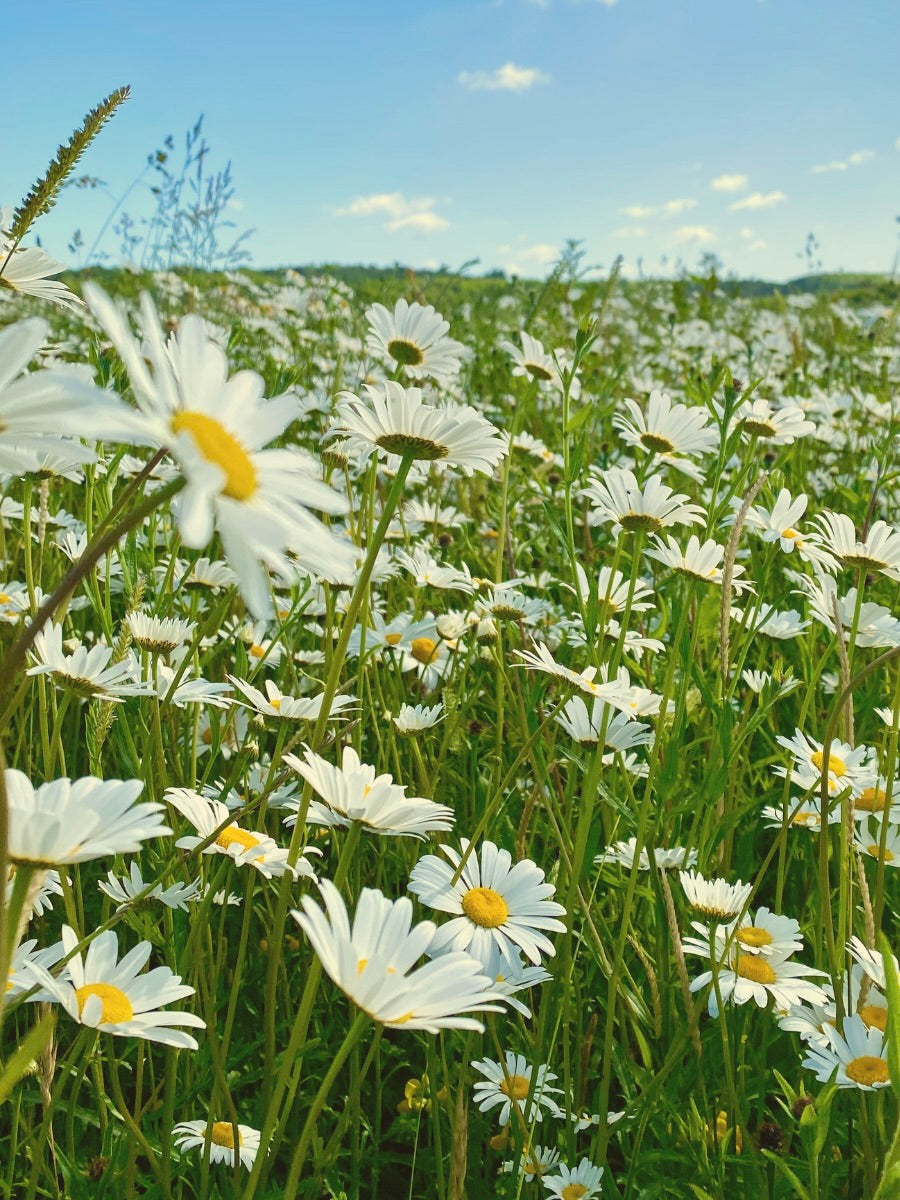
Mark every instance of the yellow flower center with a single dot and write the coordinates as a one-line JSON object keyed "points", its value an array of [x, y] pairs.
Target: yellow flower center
{"points": [[233, 835], [875, 851], [218, 446], [874, 1016], [655, 441], [752, 935], [755, 968], [116, 1005], [423, 650], [790, 534], [573, 1191], [392, 638], [4, 598], [222, 1134], [867, 1070], [516, 1087], [872, 799], [257, 651], [483, 906], [276, 703], [836, 766]]}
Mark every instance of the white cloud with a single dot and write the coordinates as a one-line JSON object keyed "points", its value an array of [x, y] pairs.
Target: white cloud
{"points": [[856, 159], [694, 233], [758, 200], [631, 231], [746, 233], [671, 208], [519, 259], [235, 204], [729, 183], [757, 245], [405, 212], [508, 78]]}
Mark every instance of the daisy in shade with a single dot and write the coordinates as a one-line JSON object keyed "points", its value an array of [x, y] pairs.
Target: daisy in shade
{"points": [[38, 408], [666, 860], [575, 1183], [617, 497], [858, 1054], [668, 430], [510, 1082], [744, 976], [871, 961], [497, 903], [532, 360], [277, 705], [115, 997], [397, 420], [869, 839], [28, 269], [125, 890], [217, 429], [533, 1163], [353, 793], [373, 962], [193, 1135], [247, 849], [159, 635], [511, 975], [415, 338], [30, 966], [86, 672], [72, 821], [879, 550]]}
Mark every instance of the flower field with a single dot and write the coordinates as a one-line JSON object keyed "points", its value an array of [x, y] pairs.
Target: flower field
{"points": [[451, 736]]}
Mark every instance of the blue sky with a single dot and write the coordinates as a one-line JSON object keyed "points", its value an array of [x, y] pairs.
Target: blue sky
{"points": [[443, 130]]}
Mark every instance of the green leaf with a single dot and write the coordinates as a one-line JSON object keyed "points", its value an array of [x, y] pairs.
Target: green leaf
{"points": [[799, 1189], [22, 1058], [892, 988]]}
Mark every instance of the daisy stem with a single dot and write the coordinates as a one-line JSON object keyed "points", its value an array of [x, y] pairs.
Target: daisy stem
{"points": [[357, 1029]]}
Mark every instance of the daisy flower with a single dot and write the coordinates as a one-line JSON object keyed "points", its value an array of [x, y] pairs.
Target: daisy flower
{"points": [[192, 1135], [124, 890], [415, 338], [532, 360], [879, 550], [622, 733], [575, 1183], [871, 961], [373, 962], [353, 793], [414, 718], [766, 934], [73, 821], [511, 975], [496, 902], [115, 997], [217, 429], [779, 524], [744, 976], [279, 706], [159, 635], [701, 562], [510, 1082], [31, 966], [397, 420], [846, 767], [617, 497], [666, 860], [247, 849], [858, 1054], [715, 897], [668, 429], [776, 426], [28, 269], [533, 1163], [87, 673], [868, 841]]}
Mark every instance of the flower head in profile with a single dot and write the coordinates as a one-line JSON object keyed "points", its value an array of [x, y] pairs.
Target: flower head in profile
{"points": [[30, 270], [219, 429], [396, 420], [532, 360], [118, 997], [193, 1135], [373, 960], [88, 673], [715, 897], [494, 902], [618, 498], [76, 820], [413, 337]]}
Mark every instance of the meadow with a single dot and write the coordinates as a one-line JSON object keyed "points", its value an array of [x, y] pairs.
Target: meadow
{"points": [[451, 731]]}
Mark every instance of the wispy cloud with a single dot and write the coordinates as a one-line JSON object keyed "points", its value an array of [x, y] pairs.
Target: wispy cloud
{"points": [[694, 233], [405, 212], [521, 258], [671, 208], [729, 183], [631, 231], [758, 200], [508, 78], [856, 159]]}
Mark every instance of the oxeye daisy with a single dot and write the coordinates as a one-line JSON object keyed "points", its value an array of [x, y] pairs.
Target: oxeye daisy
{"points": [[744, 976], [497, 903], [248, 849], [397, 421], [193, 1135], [510, 1083], [415, 338], [765, 933], [218, 430], [88, 673], [115, 997], [30, 966], [874, 841], [699, 561], [534, 1163], [159, 635], [575, 1183], [715, 897], [667, 429], [532, 360], [76, 820], [856, 1057], [275, 704], [871, 961], [847, 766], [761, 419], [879, 550], [29, 269], [124, 890], [373, 962], [666, 860], [618, 498], [414, 718]]}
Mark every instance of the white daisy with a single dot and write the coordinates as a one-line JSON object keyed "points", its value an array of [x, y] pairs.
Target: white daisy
{"points": [[532, 360], [87, 673], [575, 1183], [192, 1135], [124, 890], [413, 337], [858, 1055], [373, 962], [115, 997], [668, 429], [666, 860], [159, 635], [879, 550], [617, 497], [497, 903], [510, 1083], [847, 766], [871, 961], [277, 705], [414, 718], [28, 269], [715, 897], [776, 426], [703, 562], [744, 976]]}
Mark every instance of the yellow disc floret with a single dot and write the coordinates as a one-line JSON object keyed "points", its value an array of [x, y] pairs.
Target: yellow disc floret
{"points": [[867, 1070], [218, 446], [116, 1005], [755, 968], [483, 906], [222, 1134]]}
